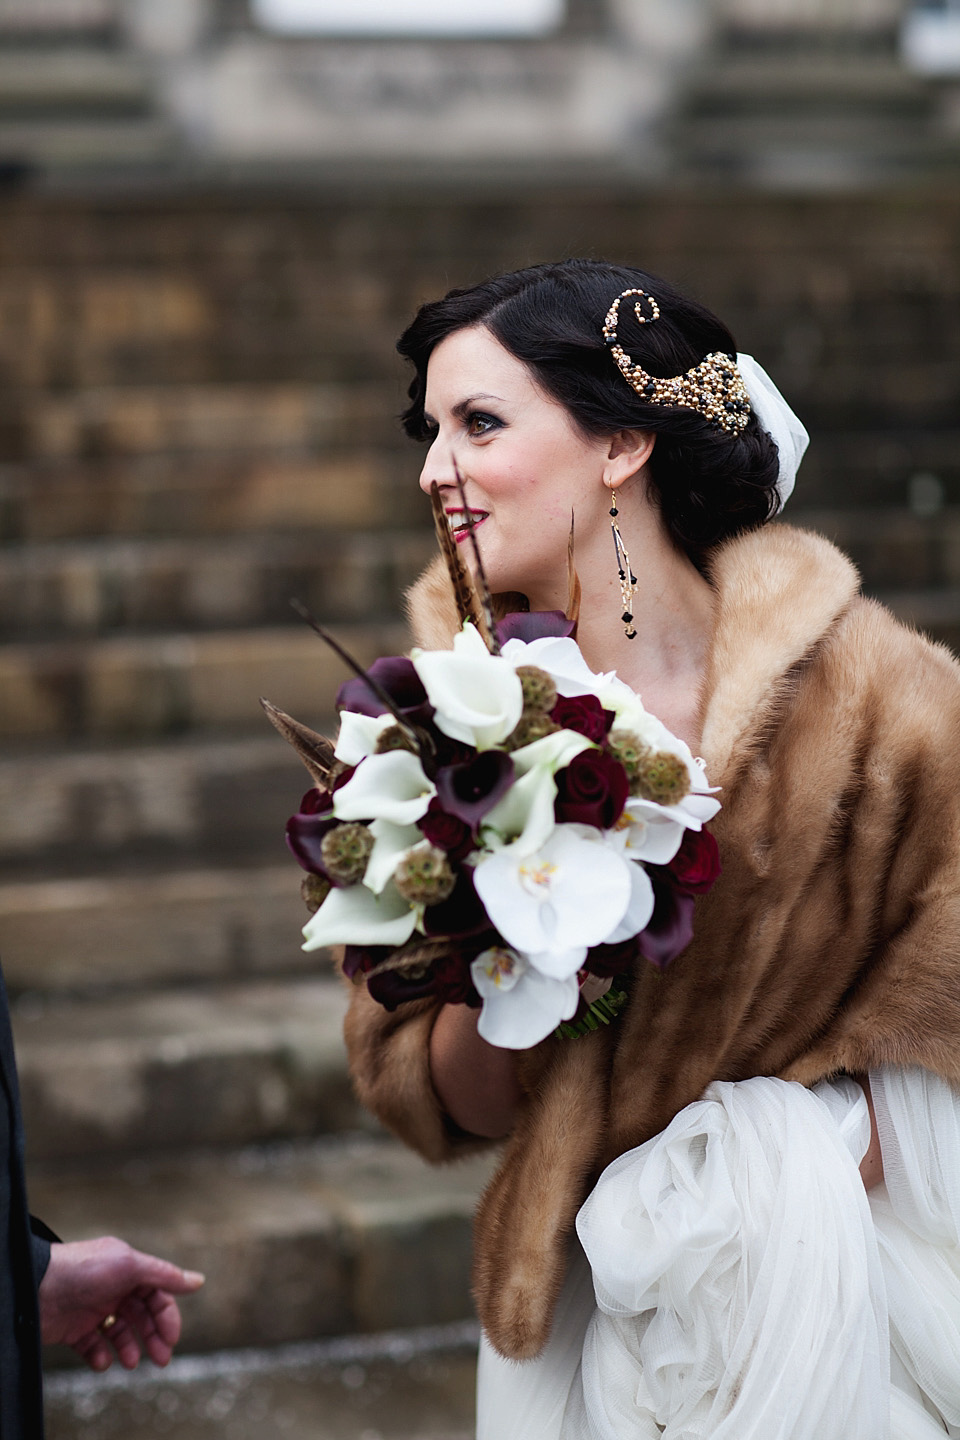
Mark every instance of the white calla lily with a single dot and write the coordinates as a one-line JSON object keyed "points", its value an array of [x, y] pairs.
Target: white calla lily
{"points": [[476, 696], [562, 659], [359, 735], [385, 787], [570, 892], [390, 843], [355, 916], [521, 1005], [524, 818]]}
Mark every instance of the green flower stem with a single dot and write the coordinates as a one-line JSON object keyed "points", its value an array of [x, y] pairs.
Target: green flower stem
{"points": [[601, 1012]]}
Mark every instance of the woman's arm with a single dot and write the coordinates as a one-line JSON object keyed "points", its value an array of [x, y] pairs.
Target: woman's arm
{"points": [[476, 1083], [871, 1166]]}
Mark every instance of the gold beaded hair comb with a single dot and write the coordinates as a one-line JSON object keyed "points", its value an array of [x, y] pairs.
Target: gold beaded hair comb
{"points": [[714, 388]]}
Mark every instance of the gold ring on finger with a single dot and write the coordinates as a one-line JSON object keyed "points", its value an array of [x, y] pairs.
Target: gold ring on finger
{"points": [[108, 1323]]}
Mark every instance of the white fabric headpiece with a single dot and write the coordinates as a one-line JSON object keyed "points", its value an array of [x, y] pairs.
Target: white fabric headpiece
{"points": [[779, 421]]}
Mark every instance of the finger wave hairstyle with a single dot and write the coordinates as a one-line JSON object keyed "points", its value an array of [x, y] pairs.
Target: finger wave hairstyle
{"points": [[709, 485]]}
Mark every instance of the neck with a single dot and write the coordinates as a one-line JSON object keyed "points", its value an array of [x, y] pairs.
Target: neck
{"points": [[673, 616]]}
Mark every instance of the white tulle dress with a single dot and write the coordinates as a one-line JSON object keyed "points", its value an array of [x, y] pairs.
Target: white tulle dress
{"points": [[734, 1281]]}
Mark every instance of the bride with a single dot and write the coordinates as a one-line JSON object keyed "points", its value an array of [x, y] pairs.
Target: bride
{"points": [[735, 1211]]}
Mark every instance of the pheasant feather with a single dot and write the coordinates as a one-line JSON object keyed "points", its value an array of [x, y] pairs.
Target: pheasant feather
{"points": [[464, 594], [487, 627], [573, 582], [314, 750]]}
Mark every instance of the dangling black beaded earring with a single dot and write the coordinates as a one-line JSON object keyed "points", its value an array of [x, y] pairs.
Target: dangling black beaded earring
{"points": [[628, 581]]}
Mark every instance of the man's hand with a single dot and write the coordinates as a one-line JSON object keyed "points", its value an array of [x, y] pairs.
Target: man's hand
{"points": [[102, 1297]]}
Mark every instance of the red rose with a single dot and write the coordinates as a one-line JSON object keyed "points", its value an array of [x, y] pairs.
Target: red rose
{"points": [[583, 713], [447, 832], [696, 864], [592, 790]]}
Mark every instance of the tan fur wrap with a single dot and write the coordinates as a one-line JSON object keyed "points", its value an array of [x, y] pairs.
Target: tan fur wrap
{"points": [[831, 942]]}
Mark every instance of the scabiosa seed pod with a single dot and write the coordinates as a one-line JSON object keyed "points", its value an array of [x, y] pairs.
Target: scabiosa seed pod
{"points": [[533, 725], [314, 889], [539, 691], [663, 778], [395, 738], [345, 852], [424, 876], [631, 752]]}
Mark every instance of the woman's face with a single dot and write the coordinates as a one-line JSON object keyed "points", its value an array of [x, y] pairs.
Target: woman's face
{"points": [[525, 464]]}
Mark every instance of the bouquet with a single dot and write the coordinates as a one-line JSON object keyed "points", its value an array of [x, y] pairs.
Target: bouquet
{"points": [[495, 822]]}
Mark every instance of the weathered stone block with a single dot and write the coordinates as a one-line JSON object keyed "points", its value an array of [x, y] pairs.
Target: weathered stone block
{"points": [[224, 1066], [154, 929]]}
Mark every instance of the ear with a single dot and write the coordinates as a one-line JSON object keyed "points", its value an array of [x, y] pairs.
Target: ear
{"points": [[629, 452]]}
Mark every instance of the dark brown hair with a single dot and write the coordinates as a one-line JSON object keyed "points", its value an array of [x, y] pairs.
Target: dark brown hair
{"points": [[709, 484]]}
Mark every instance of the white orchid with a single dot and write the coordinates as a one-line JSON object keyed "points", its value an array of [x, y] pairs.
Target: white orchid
{"points": [[570, 892], [521, 1004], [355, 916], [639, 910], [524, 818], [694, 810], [386, 787], [477, 696], [359, 735], [647, 832]]}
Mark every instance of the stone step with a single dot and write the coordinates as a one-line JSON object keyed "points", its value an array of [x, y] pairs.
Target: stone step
{"points": [[168, 684], [204, 801], [739, 81], [767, 128], [297, 1241], [405, 1385], [60, 144], [194, 494], [937, 613], [137, 420], [77, 937], [894, 548], [859, 470], [68, 82], [91, 587], [41, 18], [220, 1065]]}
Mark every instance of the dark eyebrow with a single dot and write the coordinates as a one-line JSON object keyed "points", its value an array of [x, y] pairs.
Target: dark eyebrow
{"points": [[463, 407]]}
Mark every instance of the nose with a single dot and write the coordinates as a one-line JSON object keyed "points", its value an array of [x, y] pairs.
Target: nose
{"points": [[438, 466]]}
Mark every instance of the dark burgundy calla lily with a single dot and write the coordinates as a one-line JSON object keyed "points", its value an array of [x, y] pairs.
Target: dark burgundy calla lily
{"points": [[534, 625], [306, 829], [360, 959], [671, 927], [396, 675], [468, 791]]}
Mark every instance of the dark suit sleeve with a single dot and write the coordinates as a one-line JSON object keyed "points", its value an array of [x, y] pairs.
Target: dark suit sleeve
{"points": [[41, 1238]]}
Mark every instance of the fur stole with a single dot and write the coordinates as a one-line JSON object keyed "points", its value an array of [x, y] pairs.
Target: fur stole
{"points": [[831, 942]]}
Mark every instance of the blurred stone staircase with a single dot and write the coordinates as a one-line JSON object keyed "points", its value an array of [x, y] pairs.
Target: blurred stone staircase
{"points": [[825, 104], [195, 424], [181, 1060], [73, 94]]}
